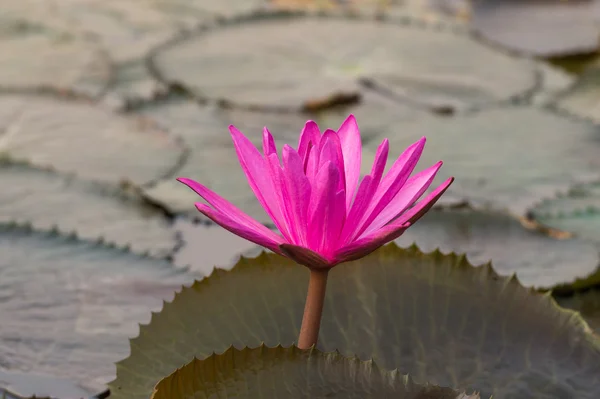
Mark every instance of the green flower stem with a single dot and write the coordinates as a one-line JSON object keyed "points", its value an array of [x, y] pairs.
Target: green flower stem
{"points": [[313, 309]]}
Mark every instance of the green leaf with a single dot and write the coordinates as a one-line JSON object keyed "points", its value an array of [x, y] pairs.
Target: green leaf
{"points": [[213, 161], [554, 82], [71, 64], [583, 99], [537, 259], [79, 138], [585, 302], [129, 29], [505, 158], [577, 211], [308, 64], [540, 28], [46, 199], [433, 316], [68, 305], [279, 372]]}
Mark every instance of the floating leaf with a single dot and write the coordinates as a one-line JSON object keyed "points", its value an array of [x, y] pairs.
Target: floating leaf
{"points": [[46, 199], [213, 161], [265, 372], [433, 316], [554, 82], [584, 97], [508, 157], [541, 28], [576, 212], [585, 302], [87, 140], [69, 63], [129, 29], [311, 58], [538, 260], [71, 303]]}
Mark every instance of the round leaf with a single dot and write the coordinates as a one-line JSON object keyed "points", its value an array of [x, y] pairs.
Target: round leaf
{"points": [[46, 199], [129, 29], [69, 63], [541, 28], [311, 59], [577, 211], [265, 372], [86, 140], [433, 316], [537, 259], [505, 158], [585, 302], [68, 305], [583, 99]]}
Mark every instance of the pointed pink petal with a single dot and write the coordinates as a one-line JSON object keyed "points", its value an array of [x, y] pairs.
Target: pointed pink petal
{"points": [[271, 241], [305, 256], [371, 242], [412, 191], [390, 185], [309, 134], [351, 148], [365, 192], [255, 169], [416, 212], [268, 143], [323, 196], [336, 219], [366, 245], [277, 177], [226, 208], [331, 151], [298, 193], [398, 168]]}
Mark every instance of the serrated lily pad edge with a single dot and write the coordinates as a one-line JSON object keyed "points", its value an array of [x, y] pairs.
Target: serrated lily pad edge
{"points": [[120, 193], [266, 14], [460, 261], [395, 374], [27, 229]]}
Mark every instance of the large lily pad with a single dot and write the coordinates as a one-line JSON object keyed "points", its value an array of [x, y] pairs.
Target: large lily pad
{"points": [[585, 302], [430, 315], [506, 158], [311, 58], [577, 211], [430, 10], [213, 161], [70, 63], [129, 29], [265, 372], [87, 140], [541, 28], [554, 83], [72, 303], [46, 199], [583, 99], [537, 259]]}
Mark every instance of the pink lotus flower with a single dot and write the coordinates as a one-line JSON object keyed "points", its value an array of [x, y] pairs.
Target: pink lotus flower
{"points": [[324, 215]]}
